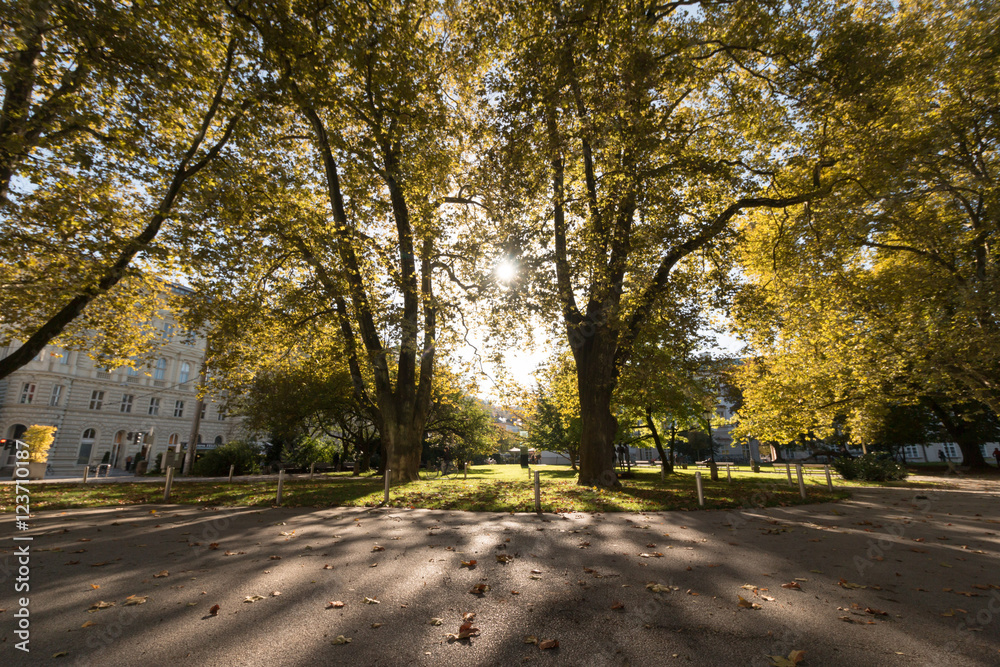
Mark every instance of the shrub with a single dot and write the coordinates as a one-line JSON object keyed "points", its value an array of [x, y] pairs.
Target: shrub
{"points": [[311, 450], [39, 439], [871, 467], [246, 456]]}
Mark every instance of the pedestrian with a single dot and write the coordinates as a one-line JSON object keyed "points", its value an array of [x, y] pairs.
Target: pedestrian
{"points": [[996, 455], [128, 464]]}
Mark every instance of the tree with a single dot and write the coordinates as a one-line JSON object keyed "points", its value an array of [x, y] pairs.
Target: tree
{"points": [[627, 128], [109, 114], [554, 421], [368, 108], [888, 292]]}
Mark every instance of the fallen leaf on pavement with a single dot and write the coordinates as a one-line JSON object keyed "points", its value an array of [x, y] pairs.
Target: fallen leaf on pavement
{"points": [[466, 630], [469, 563], [479, 589], [372, 601], [160, 575], [337, 604], [658, 588], [794, 658], [846, 584], [437, 621], [617, 605], [275, 594], [531, 639], [88, 624], [792, 584], [746, 604], [253, 598], [504, 558], [548, 643], [341, 639], [378, 548], [135, 599]]}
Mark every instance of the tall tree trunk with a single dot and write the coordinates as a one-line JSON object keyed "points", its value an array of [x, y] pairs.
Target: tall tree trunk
{"points": [[596, 378], [673, 443], [651, 425]]}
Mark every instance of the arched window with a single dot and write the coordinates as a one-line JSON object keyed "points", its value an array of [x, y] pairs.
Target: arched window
{"points": [[160, 371], [218, 440], [17, 431], [86, 446], [174, 442], [185, 372]]}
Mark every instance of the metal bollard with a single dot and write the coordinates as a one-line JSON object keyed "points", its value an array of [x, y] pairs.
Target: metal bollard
{"points": [[729, 474], [281, 484], [701, 492], [802, 484], [388, 478], [829, 480], [232, 469], [538, 494], [312, 469], [86, 474], [170, 481], [663, 477], [788, 469]]}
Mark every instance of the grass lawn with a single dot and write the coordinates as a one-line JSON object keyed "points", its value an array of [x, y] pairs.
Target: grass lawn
{"points": [[488, 488]]}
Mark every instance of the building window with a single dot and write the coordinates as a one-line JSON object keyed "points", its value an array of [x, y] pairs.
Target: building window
{"points": [[912, 452], [178, 408], [96, 400], [173, 442], [168, 330], [203, 409], [64, 358], [154, 407], [221, 416], [27, 392], [185, 372], [56, 395], [218, 440], [133, 372], [127, 402], [86, 446], [950, 450], [160, 371]]}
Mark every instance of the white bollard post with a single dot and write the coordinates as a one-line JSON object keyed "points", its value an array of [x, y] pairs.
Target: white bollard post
{"points": [[388, 478], [662, 475], [538, 494], [701, 492], [802, 484], [86, 474], [788, 469], [166, 487], [829, 480], [465, 470], [312, 469], [232, 469], [729, 475], [281, 484]]}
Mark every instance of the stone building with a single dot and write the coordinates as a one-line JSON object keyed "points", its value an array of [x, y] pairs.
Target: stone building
{"points": [[96, 410]]}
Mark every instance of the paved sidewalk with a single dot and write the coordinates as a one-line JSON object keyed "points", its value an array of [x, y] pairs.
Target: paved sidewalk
{"points": [[928, 559]]}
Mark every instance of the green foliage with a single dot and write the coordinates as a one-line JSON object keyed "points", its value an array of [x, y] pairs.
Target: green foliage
{"points": [[312, 450], [246, 456], [872, 467]]}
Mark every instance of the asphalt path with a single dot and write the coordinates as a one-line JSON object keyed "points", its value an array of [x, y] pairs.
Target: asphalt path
{"points": [[890, 577]]}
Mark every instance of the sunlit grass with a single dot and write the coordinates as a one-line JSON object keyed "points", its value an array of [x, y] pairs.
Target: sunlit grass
{"points": [[487, 488]]}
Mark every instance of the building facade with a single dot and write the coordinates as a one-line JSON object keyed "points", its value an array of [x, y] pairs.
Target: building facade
{"points": [[98, 411]]}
